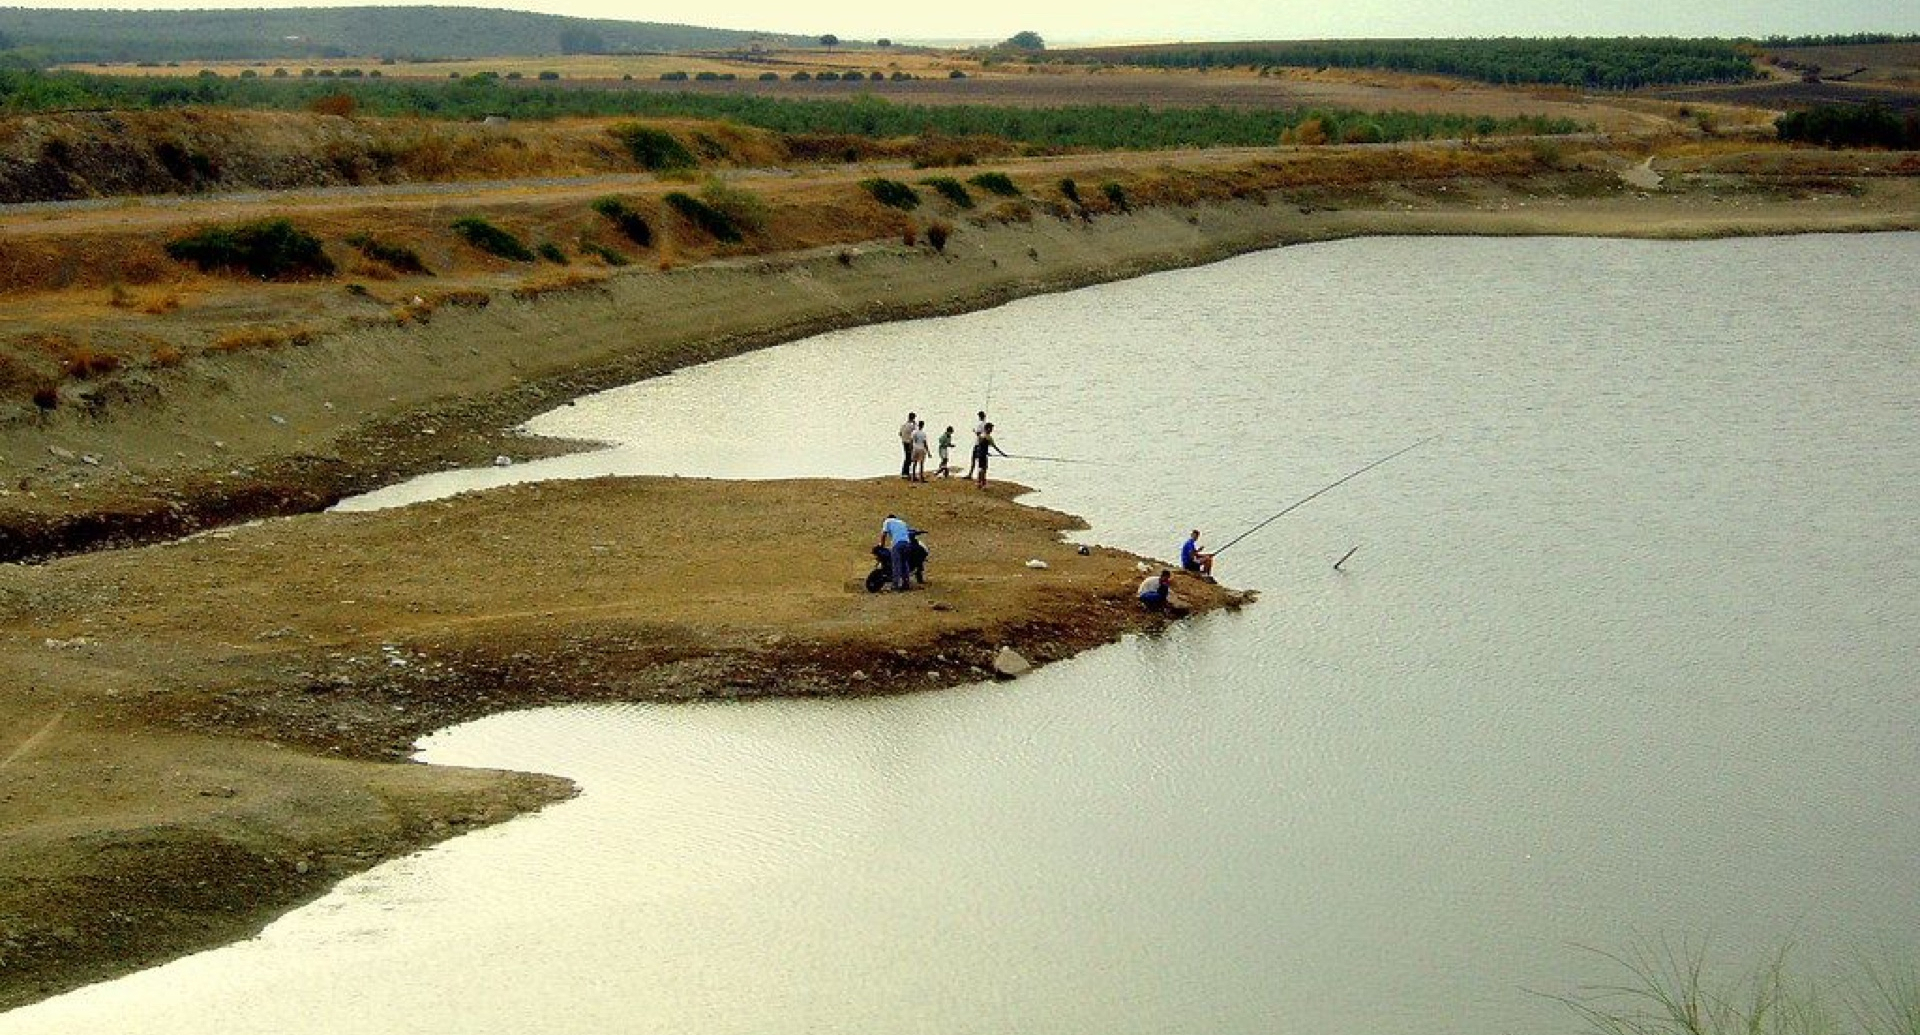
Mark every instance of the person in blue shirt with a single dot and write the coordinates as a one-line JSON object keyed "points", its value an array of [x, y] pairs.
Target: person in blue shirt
{"points": [[1195, 560], [898, 539]]}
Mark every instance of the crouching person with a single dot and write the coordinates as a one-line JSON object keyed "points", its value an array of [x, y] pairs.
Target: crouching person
{"points": [[1156, 594]]}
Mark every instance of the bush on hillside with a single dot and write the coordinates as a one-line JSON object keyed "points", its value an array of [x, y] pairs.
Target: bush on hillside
{"points": [[700, 214], [996, 183], [744, 209], [655, 149], [398, 256], [604, 254], [271, 249], [552, 253], [951, 189], [491, 239], [892, 193], [626, 220], [1116, 196]]}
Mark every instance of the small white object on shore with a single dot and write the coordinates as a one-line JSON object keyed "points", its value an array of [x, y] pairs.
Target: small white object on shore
{"points": [[1008, 664], [1037, 564]]}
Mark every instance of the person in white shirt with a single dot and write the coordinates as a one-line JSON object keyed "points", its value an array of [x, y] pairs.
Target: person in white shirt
{"points": [[906, 447], [979, 429], [918, 452]]}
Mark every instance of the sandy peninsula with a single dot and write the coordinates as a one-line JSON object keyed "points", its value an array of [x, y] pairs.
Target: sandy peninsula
{"points": [[198, 734]]}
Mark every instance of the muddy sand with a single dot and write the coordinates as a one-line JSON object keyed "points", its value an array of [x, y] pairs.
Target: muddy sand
{"points": [[196, 736]]}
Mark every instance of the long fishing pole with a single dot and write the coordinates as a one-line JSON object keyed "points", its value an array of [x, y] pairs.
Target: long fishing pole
{"points": [[1057, 459], [1297, 504]]}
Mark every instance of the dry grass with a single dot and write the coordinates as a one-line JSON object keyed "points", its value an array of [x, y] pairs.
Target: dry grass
{"points": [[559, 281], [253, 339]]}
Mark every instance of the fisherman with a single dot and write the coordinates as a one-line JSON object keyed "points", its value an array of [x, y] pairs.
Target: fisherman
{"points": [[979, 429], [1194, 560], [897, 538], [981, 448], [906, 446]]}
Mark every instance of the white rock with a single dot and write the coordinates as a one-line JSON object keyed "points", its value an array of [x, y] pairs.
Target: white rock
{"points": [[1037, 563], [1008, 663], [503, 460]]}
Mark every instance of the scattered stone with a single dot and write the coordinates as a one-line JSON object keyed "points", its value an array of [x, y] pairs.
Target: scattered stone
{"points": [[503, 461], [61, 454], [89, 459], [858, 676], [1009, 664], [1084, 551], [1037, 564]]}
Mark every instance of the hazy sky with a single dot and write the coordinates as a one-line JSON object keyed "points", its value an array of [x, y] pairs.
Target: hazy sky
{"points": [[1083, 20]]}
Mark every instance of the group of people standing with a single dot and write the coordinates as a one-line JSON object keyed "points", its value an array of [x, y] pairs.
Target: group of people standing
{"points": [[914, 451]]}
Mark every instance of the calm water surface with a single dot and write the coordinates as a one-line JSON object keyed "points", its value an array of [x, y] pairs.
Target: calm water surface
{"points": [[1628, 652]]}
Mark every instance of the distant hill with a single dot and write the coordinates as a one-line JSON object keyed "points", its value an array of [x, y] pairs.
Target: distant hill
{"points": [[335, 32]]}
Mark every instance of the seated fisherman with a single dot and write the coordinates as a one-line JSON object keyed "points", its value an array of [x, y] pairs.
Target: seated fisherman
{"points": [[1193, 559]]}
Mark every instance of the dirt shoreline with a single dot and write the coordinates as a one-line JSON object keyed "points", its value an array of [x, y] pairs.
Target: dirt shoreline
{"points": [[201, 735], [241, 437]]}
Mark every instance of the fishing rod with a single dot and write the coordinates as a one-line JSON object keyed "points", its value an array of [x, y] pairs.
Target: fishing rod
{"points": [[1297, 504], [1057, 459]]}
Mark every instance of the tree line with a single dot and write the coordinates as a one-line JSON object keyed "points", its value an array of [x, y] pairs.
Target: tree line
{"points": [[1095, 127], [1588, 63], [303, 32]]}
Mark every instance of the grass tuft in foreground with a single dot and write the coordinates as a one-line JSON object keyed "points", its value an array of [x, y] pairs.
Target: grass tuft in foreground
{"points": [[1669, 989]]}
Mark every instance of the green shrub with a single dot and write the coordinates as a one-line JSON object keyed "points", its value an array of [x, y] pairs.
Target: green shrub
{"points": [[827, 77], [893, 193], [741, 207], [1116, 196], [801, 77], [271, 249], [937, 233], [515, 75], [491, 239], [707, 77], [996, 183], [606, 254], [697, 212], [673, 77], [951, 189], [1071, 191], [552, 253], [626, 220], [548, 77], [656, 150], [768, 77], [398, 256]]}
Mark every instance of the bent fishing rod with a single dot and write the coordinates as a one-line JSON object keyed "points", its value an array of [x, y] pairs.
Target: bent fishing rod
{"points": [[1297, 504]]}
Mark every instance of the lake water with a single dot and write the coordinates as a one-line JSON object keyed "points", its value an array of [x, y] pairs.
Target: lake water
{"points": [[1628, 652]]}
